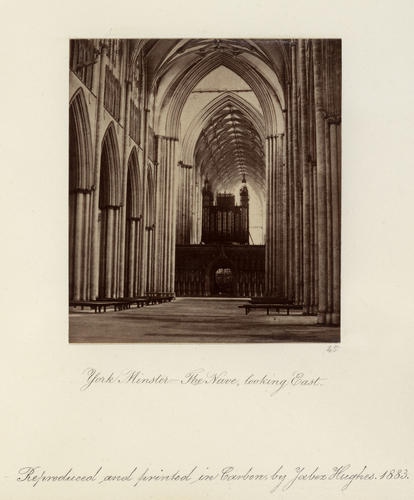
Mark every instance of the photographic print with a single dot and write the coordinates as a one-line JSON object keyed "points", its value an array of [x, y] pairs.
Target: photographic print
{"points": [[204, 190], [197, 302]]}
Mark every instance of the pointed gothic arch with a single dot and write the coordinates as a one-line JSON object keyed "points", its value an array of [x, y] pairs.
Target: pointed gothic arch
{"points": [[80, 187], [271, 98], [110, 173], [109, 204], [253, 121], [133, 233]]}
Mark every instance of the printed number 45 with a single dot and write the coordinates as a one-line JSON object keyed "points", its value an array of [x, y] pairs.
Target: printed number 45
{"points": [[333, 348]]}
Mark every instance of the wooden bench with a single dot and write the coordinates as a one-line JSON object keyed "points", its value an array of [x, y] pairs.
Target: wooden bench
{"points": [[122, 303], [273, 305], [127, 302], [140, 301], [98, 305], [152, 298], [119, 304], [167, 297], [159, 298], [269, 300]]}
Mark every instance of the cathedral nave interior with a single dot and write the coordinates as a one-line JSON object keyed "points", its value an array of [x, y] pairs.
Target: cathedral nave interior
{"points": [[202, 170]]}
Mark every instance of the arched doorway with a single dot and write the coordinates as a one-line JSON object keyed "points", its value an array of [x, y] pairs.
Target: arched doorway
{"points": [[223, 281], [221, 276]]}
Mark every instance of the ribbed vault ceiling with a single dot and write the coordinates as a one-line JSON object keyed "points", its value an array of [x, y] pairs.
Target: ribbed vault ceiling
{"points": [[229, 147], [162, 54]]}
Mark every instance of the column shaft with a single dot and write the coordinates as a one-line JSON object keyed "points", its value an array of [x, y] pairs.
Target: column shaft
{"points": [[305, 175], [268, 217], [144, 211], [296, 177], [86, 246], [94, 281], [109, 252], [131, 257], [329, 256], [336, 227], [122, 252], [321, 182], [78, 245]]}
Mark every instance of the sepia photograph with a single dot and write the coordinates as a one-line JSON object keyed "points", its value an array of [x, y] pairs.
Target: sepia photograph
{"points": [[198, 302], [204, 190]]}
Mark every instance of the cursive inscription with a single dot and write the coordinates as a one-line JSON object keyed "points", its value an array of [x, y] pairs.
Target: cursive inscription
{"points": [[201, 377], [281, 478]]}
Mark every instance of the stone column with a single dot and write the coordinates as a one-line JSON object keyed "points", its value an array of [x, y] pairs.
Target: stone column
{"points": [[161, 219], [124, 189], [143, 248], [94, 280], [274, 255], [285, 212], [321, 181], [306, 172], [274, 200], [311, 239], [315, 240], [77, 274], [189, 205], [291, 201], [86, 249], [296, 179], [280, 218], [117, 228], [173, 208], [166, 214], [184, 205], [148, 286], [329, 257], [109, 236], [180, 205], [158, 234], [138, 256], [152, 263], [131, 256], [336, 220], [269, 224]]}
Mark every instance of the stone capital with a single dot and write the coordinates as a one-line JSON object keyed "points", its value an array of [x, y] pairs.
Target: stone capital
{"points": [[83, 190], [137, 219], [333, 119], [183, 165]]}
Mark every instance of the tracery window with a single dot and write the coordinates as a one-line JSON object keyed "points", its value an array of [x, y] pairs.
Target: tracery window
{"points": [[134, 123], [112, 97], [151, 144], [82, 60]]}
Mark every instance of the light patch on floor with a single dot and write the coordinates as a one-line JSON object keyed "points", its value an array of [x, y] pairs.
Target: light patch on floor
{"points": [[189, 320]]}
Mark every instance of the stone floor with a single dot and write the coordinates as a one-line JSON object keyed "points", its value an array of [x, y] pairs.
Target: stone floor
{"points": [[190, 320]]}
